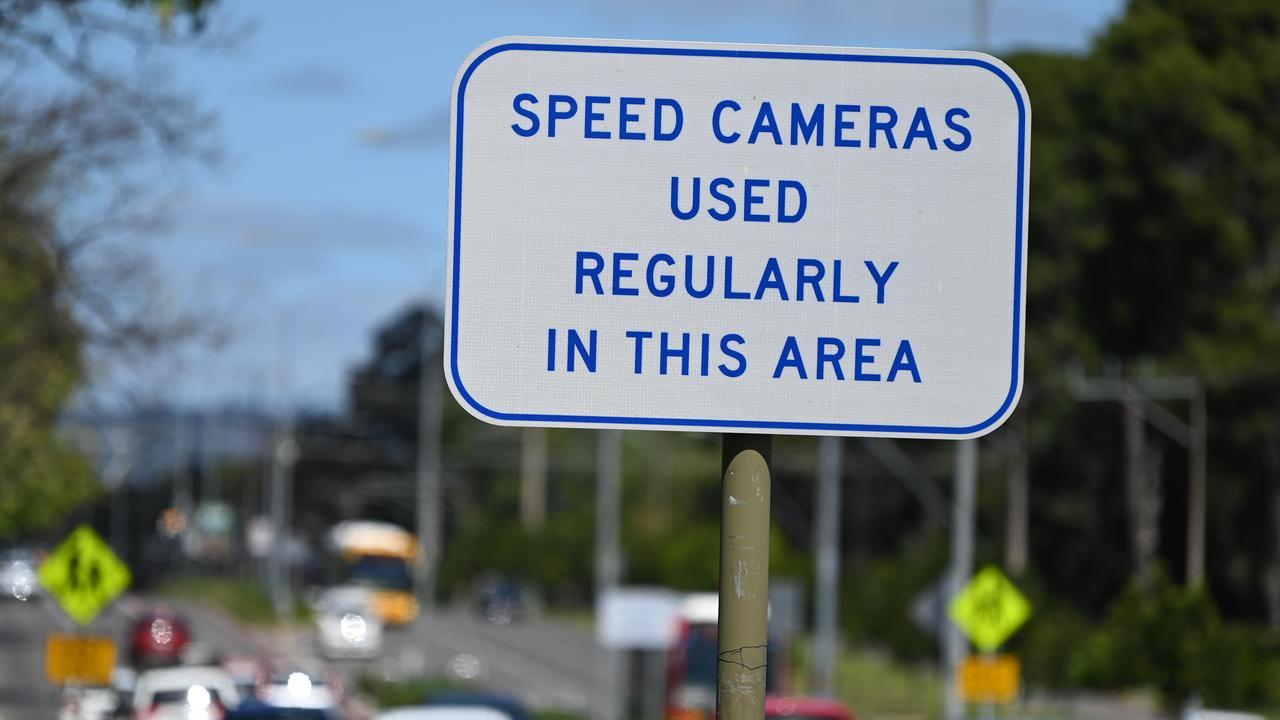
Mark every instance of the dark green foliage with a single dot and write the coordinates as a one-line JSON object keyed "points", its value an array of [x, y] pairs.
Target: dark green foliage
{"points": [[1154, 238], [1173, 640], [397, 693], [877, 599]]}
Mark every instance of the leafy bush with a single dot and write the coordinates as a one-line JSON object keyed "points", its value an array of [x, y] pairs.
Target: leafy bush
{"points": [[1172, 640], [397, 693], [876, 599], [1048, 642]]}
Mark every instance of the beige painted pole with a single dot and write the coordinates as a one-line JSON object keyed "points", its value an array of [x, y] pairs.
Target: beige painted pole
{"points": [[744, 577]]}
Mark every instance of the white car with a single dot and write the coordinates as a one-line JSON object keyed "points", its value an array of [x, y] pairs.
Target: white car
{"points": [[346, 626], [301, 689], [184, 693], [443, 712], [88, 703], [18, 579]]}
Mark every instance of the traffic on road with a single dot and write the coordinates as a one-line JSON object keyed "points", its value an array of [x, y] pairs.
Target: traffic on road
{"points": [[614, 360], [182, 658]]}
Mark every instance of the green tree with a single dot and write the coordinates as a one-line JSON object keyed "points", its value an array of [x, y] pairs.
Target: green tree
{"points": [[40, 477], [1155, 243], [69, 297]]}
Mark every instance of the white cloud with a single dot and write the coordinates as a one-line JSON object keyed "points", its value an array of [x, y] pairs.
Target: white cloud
{"points": [[310, 80], [429, 130]]}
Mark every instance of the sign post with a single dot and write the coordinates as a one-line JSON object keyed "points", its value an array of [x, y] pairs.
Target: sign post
{"points": [[743, 635], [989, 610], [742, 239], [84, 576]]}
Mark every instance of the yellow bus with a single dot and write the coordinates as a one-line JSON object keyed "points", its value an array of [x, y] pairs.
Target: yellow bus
{"points": [[379, 556]]}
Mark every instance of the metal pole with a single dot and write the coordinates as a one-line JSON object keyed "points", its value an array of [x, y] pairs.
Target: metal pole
{"points": [[744, 577], [1197, 500], [981, 23], [533, 478], [275, 558], [181, 484], [430, 536], [210, 447], [285, 452], [827, 544], [609, 557], [1016, 541], [608, 509], [116, 475], [962, 522], [1136, 457]]}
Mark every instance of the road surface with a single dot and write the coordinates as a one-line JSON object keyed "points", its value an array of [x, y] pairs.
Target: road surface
{"points": [[24, 628], [544, 663]]}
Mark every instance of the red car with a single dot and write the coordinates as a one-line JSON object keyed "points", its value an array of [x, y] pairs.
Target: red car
{"points": [[157, 638], [805, 708]]}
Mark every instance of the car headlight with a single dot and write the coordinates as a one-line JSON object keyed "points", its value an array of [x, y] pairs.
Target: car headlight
{"points": [[353, 628], [21, 588]]}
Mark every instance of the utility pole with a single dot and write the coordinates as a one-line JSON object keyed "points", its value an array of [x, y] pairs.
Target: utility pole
{"points": [[1143, 523], [116, 475], [210, 482], [1197, 492], [963, 494], [981, 23], [1138, 396], [827, 559], [608, 509], [429, 499], [962, 530], [533, 478], [284, 454], [1016, 500], [608, 562], [1272, 580], [181, 461]]}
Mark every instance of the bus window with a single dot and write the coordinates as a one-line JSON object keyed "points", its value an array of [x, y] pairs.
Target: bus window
{"points": [[384, 573]]}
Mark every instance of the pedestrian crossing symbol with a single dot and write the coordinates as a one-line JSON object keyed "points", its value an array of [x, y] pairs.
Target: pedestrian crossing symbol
{"points": [[83, 575], [989, 609]]}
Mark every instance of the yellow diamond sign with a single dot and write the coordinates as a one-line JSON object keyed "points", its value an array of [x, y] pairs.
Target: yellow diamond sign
{"points": [[83, 575], [989, 609]]}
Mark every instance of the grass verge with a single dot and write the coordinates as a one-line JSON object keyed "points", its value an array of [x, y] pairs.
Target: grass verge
{"points": [[395, 693], [246, 601]]}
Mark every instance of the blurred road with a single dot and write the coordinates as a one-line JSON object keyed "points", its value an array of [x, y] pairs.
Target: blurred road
{"points": [[24, 627], [23, 691], [545, 663]]}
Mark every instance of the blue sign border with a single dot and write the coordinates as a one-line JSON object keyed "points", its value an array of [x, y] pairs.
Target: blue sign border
{"points": [[740, 425]]}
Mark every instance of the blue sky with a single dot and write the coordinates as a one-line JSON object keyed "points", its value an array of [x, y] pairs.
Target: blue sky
{"points": [[327, 213]]}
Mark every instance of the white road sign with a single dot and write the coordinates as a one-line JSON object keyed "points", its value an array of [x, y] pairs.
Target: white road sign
{"points": [[637, 618], [741, 238]]}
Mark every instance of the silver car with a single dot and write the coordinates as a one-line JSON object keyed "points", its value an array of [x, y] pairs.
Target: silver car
{"points": [[346, 627], [18, 579]]}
